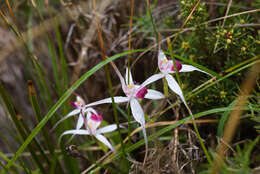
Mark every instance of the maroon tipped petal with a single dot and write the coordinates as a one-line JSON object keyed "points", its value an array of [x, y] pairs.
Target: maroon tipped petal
{"points": [[141, 93], [96, 117], [73, 104], [178, 66]]}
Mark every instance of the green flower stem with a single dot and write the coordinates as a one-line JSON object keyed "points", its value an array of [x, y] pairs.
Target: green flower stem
{"points": [[199, 137], [165, 88], [114, 107]]}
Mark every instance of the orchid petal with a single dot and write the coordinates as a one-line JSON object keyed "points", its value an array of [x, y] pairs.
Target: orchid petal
{"points": [[174, 86], [152, 79], [118, 99], [106, 129], [80, 121], [105, 141], [137, 111], [74, 132], [74, 112], [130, 77], [120, 77], [138, 114], [189, 68], [153, 94]]}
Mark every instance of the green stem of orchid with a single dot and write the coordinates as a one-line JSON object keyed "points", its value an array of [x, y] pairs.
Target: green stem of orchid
{"points": [[129, 123], [151, 17], [165, 88], [114, 108]]}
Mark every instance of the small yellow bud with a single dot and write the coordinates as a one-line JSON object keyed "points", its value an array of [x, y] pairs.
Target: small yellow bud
{"points": [[185, 45], [223, 94], [242, 21], [243, 48], [228, 41]]}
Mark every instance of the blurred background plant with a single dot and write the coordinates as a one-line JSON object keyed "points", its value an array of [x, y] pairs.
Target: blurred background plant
{"points": [[48, 50]]}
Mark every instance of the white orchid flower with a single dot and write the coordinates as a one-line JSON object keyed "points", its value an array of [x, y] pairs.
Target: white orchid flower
{"points": [[80, 109], [166, 67], [92, 121], [133, 92]]}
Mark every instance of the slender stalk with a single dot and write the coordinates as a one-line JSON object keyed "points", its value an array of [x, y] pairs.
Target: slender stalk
{"points": [[200, 139], [186, 20], [130, 37], [151, 17]]}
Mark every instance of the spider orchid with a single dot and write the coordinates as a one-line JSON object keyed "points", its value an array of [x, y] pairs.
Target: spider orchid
{"points": [[80, 109], [91, 122], [166, 67], [133, 92]]}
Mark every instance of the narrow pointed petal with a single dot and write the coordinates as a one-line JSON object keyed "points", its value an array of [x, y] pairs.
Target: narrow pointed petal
{"points": [[80, 121], [174, 86], [138, 114], [120, 77], [130, 77], [189, 68], [153, 94], [137, 111], [105, 141], [74, 132], [74, 112], [152, 79], [106, 129], [118, 99]]}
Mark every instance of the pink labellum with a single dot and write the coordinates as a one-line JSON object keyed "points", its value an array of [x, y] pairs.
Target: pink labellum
{"points": [[141, 93], [178, 66], [96, 117]]}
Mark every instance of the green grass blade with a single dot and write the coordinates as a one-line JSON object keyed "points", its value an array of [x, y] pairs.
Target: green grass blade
{"points": [[38, 113], [223, 120], [5, 158], [63, 62], [62, 99], [19, 124], [54, 64], [3, 167]]}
